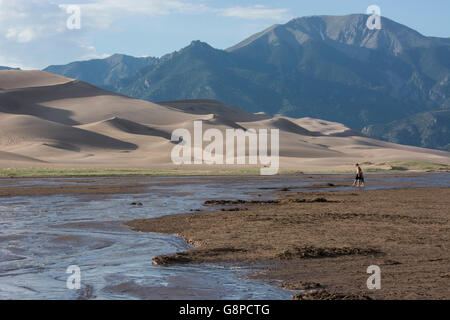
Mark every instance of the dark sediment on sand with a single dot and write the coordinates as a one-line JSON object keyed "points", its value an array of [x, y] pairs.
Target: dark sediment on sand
{"points": [[321, 243]]}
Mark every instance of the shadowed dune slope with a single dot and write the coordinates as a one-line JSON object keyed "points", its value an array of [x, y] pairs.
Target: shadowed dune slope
{"points": [[124, 125], [9, 156], [76, 102], [21, 129], [209, 106]]}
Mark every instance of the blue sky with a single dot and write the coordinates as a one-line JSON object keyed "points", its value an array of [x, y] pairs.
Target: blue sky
{"points": [[34, 33]]}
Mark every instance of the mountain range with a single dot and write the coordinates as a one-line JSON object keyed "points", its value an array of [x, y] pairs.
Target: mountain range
{"points": [[427, 128], [327, 67]]}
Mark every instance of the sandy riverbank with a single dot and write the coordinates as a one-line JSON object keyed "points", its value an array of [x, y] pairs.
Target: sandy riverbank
{"points": [[134, 184], [326, 240]]}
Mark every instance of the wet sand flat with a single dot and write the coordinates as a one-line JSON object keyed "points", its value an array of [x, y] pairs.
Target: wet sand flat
{"points": [[41, 235], [41, 186], [321, 243], [92, 189]]}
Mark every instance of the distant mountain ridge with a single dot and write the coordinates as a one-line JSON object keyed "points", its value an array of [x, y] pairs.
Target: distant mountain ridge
{"points": [[430, 129], [328, 67], [8, 68], [103, 73]]}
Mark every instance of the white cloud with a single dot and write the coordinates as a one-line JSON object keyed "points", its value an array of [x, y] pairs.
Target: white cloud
{"points": [[91, 53], [21, 36], [24, 20], [255, 12], [151, 7], [102, 13], [34, 32]]}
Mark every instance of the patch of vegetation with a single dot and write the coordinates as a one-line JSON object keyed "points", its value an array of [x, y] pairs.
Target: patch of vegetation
{"points": [[418, 165], [390, 167], [407, 165], [53, 172], [394, 167], [381, 170]]}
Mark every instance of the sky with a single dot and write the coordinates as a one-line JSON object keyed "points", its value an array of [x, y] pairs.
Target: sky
{"points": [[38, 33]]}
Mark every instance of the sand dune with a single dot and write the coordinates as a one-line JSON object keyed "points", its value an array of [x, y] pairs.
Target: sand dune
{"points": [[222, 121], [326, 127], [9, 156], [52, 121], [76, 102], [209, 106], [124, 125], [285, 124], [22, 129], [11, 79]]}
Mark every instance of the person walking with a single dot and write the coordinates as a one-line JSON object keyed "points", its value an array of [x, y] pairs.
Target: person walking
{"points": [[359, 178]]}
